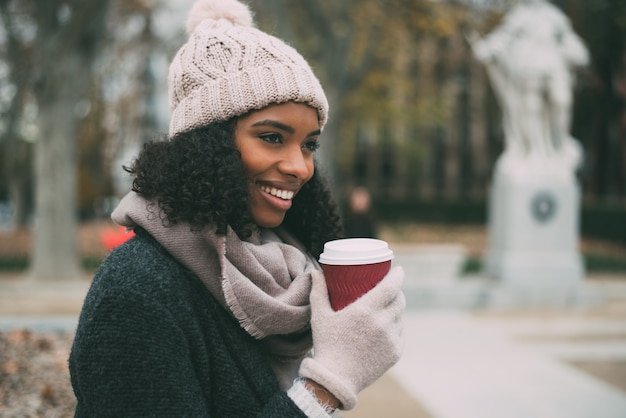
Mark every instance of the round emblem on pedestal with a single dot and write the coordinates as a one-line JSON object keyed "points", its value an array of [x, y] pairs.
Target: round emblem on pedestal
{"points": [[543, 206]]}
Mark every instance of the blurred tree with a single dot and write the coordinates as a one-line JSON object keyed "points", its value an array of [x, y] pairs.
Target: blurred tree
{"points": [[398, 77], [93, 177], [16, 151], [62, 59], [68, 39], [121, 113], [346, 42], [52, 46]]}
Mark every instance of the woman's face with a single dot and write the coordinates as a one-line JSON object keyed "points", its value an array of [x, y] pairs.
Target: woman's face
{"points": [[277, 145]]}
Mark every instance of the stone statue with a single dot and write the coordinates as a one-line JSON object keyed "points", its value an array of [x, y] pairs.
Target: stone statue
{"points": [[534, 200], [530, 59]]}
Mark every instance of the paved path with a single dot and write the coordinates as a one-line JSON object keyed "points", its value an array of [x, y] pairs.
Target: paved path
{"points": [[462, 366]]}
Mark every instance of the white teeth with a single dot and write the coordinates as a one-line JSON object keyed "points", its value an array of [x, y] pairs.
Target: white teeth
{"points": [[283, 194]]}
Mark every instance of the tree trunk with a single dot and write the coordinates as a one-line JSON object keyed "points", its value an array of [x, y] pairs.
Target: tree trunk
{"points": [[65, 53], [55, 255]]}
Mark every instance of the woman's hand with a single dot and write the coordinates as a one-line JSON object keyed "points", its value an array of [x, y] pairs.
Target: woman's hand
{"points": [[354, 346]]}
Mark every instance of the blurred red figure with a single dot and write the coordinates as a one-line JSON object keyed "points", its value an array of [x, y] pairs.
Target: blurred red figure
{"points": [[112, 237]]}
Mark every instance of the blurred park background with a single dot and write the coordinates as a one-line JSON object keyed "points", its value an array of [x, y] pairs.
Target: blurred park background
{"points": [[83, 84], [413, 117]]}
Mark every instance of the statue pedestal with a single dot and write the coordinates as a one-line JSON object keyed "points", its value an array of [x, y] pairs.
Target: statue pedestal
{"points": [[533, 224]]}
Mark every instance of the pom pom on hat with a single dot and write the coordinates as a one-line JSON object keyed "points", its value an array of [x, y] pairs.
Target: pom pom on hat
{"points": [[231, 10], [228, 68]]}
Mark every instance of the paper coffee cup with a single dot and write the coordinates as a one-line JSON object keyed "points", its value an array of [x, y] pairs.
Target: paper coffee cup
{"points": [[352, 267]]}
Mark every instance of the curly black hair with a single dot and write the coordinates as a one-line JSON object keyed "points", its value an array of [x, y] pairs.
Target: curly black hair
{"points": [[197, 177]]}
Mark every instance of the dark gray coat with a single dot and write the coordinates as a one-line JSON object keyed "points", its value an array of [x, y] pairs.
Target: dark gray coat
{"points": [[152, 341]]}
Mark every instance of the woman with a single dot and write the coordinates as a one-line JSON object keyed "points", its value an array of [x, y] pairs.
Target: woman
{"points": [[217, 307]]}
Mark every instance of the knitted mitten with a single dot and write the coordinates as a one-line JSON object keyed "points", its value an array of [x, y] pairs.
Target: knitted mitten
{"points": [[354, 346]]}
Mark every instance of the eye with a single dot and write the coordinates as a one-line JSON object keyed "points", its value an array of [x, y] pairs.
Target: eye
{"points": [[271, 138], [311, 145]]}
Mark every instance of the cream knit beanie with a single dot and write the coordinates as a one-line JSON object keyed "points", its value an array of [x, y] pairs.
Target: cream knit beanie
{"points": [[228, 67]]}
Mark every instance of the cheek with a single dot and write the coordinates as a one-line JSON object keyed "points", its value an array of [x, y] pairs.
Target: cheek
{"points": [[251, 161], [247, 167]]}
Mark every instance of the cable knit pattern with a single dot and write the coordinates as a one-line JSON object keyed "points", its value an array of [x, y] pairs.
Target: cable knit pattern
{"points": [[228, 68], [152, 341]]}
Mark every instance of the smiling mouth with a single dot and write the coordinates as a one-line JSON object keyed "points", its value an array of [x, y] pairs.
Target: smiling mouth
{"points": [[282, 194]]}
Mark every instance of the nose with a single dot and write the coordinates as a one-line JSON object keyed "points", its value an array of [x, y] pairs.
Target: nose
{"points": [[295, 163]]}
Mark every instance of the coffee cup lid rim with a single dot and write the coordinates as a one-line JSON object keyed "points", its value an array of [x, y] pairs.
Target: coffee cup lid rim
{"points": [[355, 251]]}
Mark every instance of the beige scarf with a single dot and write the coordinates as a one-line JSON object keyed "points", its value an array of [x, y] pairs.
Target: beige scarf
{"points": [[265, 283]]}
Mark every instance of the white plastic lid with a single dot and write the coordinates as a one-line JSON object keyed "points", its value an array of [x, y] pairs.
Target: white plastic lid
{"points": [[349, 251]]}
